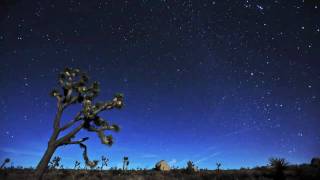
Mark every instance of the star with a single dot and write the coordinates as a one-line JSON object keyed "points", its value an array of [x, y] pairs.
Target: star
{"points": [[228, 75], [260, 7]]}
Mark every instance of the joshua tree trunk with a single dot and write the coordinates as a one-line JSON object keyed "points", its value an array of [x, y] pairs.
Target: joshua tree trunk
{"points": [[52, 146], [43, 164]]}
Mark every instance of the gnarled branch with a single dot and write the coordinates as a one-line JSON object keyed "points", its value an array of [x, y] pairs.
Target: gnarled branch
{"points": [[89, 163], [76, 142], [72, 122], [70, 135]]}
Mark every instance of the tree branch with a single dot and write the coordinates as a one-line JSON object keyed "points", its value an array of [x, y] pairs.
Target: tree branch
{"points": [[108, 140], [68, 96], [107, 105], [72, 122], [76, 142], [89, 163], [104, 128], [57, 118], [70, 135], [70, 101]]}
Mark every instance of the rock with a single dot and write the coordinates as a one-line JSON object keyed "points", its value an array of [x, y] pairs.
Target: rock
{"points": [[162, 166], [315, 162], [194, 169]]}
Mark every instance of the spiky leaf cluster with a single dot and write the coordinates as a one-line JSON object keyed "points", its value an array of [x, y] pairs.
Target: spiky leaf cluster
{"points": [[278, 164], [7, 160], [75, 87]]}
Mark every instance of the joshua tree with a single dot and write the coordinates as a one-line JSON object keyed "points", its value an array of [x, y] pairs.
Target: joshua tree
{"points": [[76, 165], [191, 167], [75, 89], [218, 166], [7, 160], [104, 162], [55, 162], [278, 165], [125, 163]]}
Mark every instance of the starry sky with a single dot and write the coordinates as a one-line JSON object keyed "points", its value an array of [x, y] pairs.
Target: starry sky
{"points": [[232, 81]]}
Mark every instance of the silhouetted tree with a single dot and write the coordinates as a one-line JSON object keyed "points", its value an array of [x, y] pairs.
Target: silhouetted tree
{"points": [[104, 162], [125, 163], [76, 165], [218, 167], [191, 167], [7, 160], [278, 165], [75, 89]]}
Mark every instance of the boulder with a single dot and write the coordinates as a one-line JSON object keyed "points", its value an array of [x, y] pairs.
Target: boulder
{"points": [[194, 169], [162, 166]]}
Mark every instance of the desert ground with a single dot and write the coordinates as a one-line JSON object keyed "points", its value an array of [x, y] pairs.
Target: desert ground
{"points": [[292, 172]]}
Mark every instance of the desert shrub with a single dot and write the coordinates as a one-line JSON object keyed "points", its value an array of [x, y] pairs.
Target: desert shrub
{"points": [[64, 174], [315, 162], [115, 171], [278, 165], [19, 167]]}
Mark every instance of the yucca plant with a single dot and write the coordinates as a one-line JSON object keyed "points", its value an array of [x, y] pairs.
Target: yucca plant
{"points": [[104, 162], [218, 167], [7, 160], [278, 165], [75, 88], [191, 167], [76, 165], [125, 163]]}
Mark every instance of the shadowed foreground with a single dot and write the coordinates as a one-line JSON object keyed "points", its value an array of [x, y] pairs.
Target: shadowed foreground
{"points": [[301, 172]]}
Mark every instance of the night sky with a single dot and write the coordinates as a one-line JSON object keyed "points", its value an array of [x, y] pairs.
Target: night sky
{"points": [[232, 81]]}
